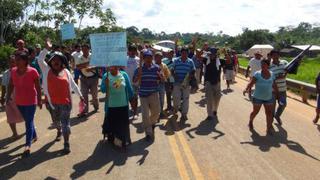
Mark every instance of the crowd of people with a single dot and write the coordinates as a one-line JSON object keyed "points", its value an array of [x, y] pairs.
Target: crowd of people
{"points": [[162, 81]]}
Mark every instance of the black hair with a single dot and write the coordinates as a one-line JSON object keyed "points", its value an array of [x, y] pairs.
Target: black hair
{"points": [[77, 46], [31, 50], [55, 47], [274, 52], [132, 47], [86, 45], [23, 56], [184, 48], [264, 61]]}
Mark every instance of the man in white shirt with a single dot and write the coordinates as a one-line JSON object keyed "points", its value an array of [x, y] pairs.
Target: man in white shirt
{"points": [[254, 65], [132, 65], [76, 56], [89, 79]]}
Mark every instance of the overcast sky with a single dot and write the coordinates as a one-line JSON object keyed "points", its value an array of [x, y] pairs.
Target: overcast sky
{"points": [[203, 16]]}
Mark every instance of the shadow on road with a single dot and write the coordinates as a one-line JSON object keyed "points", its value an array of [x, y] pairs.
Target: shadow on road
{"points": [[104, 154], [78, 120], [2, 108], [265, 143], [173, 125], [318, 127], [205, 128], [25, 164], [5, 142], [139, 127], [202, 102]]}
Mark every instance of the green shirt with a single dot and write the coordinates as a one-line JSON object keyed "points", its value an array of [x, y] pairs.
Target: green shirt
{"points": [[117, 91]]}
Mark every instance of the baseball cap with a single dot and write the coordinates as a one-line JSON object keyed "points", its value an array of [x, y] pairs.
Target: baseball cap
{"points": [[38, 46], [20, 41], [213, 50], [158, 53], [147, 53], [62, 57]]}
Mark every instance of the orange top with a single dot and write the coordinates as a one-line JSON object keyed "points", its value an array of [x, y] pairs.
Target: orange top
{"points": [[58, 88]]}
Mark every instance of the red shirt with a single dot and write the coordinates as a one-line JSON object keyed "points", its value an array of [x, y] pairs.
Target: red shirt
{"points": [[58, 88], [24, 86]]}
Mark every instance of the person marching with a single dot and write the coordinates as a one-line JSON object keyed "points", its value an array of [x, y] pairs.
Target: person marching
{"points": [[169, 83], [316, 119], [12, 112], [25, 84], [117, 86], [183, 71], [76, 55], [264, 82], [228, 68], [132, 65], [58, 85], [254, 65], [89, 80], [148, 75], [166, 73], [197, 60], [212, 82], [278, 68]]}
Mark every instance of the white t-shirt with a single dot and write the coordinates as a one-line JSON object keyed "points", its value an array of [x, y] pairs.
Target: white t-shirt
{"points": [[255, 66], [82, 59], [132, 65], [76, 56]]}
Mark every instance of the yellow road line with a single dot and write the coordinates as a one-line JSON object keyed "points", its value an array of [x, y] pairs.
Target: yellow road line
{"points": [[177, 155], [179, 161], [192, 162]]}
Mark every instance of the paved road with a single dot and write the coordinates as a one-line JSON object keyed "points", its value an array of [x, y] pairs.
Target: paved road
{"points": [[223, 149]]}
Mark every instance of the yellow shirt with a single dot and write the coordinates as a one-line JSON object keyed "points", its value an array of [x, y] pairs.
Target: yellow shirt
{"points": [[166, 72]]}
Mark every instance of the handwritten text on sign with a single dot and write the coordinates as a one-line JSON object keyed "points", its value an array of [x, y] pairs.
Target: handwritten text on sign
{"points": [[108, 49], [67, 31]]}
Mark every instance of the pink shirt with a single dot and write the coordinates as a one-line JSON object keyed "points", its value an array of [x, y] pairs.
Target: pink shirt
{"points": [[24, 86]]}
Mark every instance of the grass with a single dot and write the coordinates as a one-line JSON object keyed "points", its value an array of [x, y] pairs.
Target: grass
{"points": [[307, 72]]}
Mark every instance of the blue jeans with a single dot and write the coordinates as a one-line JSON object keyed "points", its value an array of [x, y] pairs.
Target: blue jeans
{"points": [[282, 103], [27, 113]]}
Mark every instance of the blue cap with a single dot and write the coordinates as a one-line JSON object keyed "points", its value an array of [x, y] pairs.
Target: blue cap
{"points": [[147, 53], [213, 50]]}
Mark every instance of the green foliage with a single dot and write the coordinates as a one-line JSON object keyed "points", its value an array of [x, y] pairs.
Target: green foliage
{"points": [[11, 12], [308, 70], [5, 52], [244, 62]]}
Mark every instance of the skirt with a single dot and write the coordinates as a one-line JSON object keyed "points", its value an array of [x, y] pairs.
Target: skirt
{"points": [[116, 124], [13, 113]]}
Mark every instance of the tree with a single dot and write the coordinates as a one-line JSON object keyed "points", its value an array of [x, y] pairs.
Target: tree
{"points": [[11, 13], [107, 18]]}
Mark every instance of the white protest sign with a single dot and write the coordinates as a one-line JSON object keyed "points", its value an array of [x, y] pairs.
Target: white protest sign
{"points": [[108, 49], [67, 31]]}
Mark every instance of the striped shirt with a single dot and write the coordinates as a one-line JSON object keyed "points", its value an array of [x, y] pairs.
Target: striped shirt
{"points": [[149, 80], [182, 69], [279, 70]]}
